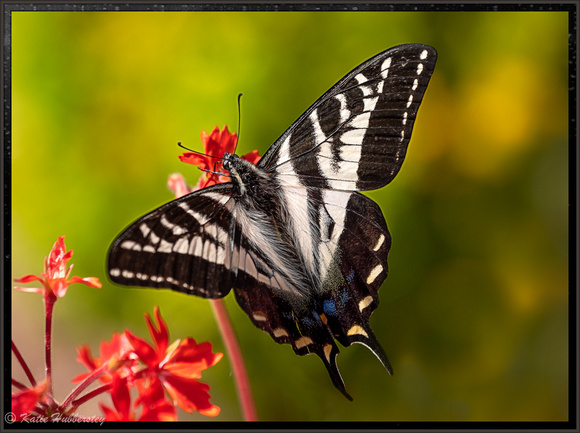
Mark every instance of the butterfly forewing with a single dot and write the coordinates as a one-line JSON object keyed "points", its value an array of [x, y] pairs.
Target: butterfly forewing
{"points": [[183, 245], [305, 253], [355, 136]]}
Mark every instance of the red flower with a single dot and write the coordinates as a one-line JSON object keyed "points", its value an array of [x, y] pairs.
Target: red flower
{"points": [[252, 157], [176, 368], [215, 145], [176, 183], [113, 353], [24, 402], [54, 279], [155, 406], [173, 368]]}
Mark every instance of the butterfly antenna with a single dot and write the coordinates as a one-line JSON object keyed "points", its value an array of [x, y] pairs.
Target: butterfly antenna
{"points": [[195, 151], [239, 119]]}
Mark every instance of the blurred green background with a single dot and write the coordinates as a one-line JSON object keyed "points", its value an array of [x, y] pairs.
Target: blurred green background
{"points": [[474, 314]]}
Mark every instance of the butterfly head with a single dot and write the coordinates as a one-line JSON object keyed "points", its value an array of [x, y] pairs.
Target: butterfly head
{"points": [[246, 176]]}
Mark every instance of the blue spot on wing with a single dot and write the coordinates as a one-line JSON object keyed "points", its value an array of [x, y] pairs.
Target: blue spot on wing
{"points": [[334, 306], [350, 276], [344, 296], [329, 307]]}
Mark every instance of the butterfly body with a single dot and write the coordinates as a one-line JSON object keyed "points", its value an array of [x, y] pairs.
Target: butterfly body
{"points": [[304, 251], [261, 214]]}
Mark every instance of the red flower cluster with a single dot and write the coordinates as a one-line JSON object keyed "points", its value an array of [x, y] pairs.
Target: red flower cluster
{"points": [[164, 375], [215, 145], [153, 370]]}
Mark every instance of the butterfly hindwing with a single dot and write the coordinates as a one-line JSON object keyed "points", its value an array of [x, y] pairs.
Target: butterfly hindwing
{"points": [[347, 221], [304, 329]]}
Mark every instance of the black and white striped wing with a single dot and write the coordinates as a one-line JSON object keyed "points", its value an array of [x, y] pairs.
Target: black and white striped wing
{"points": [[355, 136], [184, 245], [203, 244]]}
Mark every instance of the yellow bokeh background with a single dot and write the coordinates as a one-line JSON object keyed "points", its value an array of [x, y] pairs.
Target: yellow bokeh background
{"points": [[474, 313]]}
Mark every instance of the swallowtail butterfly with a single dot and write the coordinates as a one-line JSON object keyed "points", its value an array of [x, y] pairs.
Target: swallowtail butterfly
{"points": [[304, 251]]}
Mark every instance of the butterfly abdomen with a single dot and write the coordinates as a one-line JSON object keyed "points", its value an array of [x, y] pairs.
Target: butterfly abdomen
{"points": [[263, 216]]}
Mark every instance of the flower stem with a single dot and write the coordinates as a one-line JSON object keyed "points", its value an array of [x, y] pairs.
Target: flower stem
{"points": [[18, 385], [49, 300], [23, 364], [237, 361], [84, 384], [89, 395]]}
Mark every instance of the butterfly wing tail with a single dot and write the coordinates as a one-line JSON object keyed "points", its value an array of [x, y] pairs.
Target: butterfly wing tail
{"points": [[328, 356], [366, 337], [314, 337]]}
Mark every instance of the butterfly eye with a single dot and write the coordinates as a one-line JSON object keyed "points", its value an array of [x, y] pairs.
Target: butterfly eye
{"points": [[226, 164]]}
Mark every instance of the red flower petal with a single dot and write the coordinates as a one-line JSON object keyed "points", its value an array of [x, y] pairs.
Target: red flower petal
{"points": [[110, 414], [176, 183], [196, 159], [218, 142], [25, 401], [228, 140], [59, 286], [161, 410], [144, 351], [190, 359], [55, 276], [118, 346], [215, 144], [211, 143], [160, 333], [28, 279], [152, 399], [209, 179], [114, 352], [30, 289], [252, 157], [121, 396], [85, 358], [88, 281], [57, 253], [190, 394], [150, 390]]}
